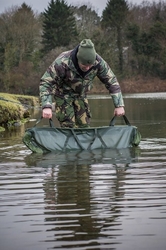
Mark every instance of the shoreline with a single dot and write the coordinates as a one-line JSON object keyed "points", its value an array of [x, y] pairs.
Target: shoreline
{"points": [[14, 109]]}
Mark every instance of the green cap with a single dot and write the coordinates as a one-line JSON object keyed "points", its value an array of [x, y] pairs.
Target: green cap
{"points": [[86, 54]]}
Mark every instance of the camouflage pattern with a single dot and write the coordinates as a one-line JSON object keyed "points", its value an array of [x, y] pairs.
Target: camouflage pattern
{"points": [[63, 81], [73, 112]]}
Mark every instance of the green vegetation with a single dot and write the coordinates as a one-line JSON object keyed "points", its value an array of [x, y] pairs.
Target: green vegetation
{"points": [[12, 108], [131, 38], [58, 20], [115, 17], [2, 129]]}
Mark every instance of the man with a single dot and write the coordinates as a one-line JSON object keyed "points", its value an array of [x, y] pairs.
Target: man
{"points": [[69, 78]]}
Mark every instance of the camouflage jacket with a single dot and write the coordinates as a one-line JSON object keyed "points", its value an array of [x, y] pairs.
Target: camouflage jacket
{"points": [[64, 78]]}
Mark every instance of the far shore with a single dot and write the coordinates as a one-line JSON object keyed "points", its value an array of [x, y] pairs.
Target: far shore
{"points": [[14, 107]]}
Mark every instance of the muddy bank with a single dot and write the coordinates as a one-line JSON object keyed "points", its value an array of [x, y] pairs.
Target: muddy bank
{"points": [[133, 85], [143, 85]]}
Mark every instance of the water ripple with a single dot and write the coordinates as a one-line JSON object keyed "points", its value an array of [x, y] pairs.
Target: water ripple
{"points": [[85, 200]]}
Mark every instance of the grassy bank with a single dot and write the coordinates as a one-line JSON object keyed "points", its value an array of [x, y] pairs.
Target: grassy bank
{"points": [[13, 108]]}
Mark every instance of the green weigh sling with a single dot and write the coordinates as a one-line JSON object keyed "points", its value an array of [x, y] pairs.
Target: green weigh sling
{"points": [[52, 139]]}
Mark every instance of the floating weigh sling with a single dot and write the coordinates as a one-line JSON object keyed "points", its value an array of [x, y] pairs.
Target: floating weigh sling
{"points": [[52, 139]]}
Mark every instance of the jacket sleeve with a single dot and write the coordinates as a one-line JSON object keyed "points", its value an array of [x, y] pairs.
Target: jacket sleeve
{"points": [[48, 85], [108, 78]]}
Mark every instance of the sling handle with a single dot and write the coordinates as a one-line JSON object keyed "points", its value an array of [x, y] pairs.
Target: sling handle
{"points": [[112, 122], [50, 122]]}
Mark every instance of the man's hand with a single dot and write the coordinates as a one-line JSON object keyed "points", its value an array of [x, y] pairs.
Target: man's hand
{"points": [[47, 113], [119, 111]]}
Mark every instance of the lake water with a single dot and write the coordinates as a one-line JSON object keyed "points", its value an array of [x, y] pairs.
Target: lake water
{"points": [[110, 199]]}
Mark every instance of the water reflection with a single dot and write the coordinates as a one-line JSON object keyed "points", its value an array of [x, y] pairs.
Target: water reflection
{"points": [[102, 156], [102, 199], [81, 193]]}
